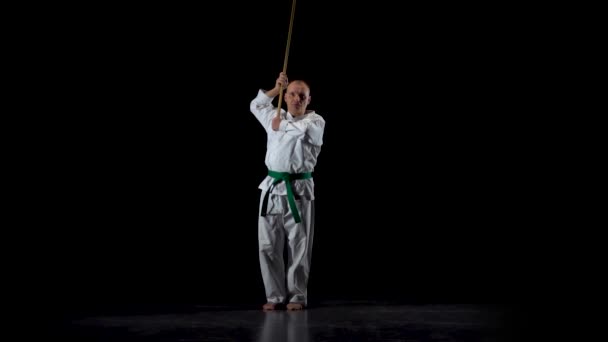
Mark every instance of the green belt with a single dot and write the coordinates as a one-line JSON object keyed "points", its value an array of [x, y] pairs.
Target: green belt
{"points": [[287, 177]]}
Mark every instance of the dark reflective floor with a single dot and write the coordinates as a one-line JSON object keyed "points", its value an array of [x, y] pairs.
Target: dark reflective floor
{"points": [[339, 321]]}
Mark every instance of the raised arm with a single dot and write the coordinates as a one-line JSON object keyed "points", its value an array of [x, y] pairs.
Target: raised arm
{"points": [[281, 81], [262, 106]]}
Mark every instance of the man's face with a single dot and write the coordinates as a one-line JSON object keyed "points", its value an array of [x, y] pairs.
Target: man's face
{"points": [[297, 98]]}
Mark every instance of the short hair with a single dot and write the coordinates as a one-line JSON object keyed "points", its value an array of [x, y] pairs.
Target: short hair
{"points": [[299, 82]]}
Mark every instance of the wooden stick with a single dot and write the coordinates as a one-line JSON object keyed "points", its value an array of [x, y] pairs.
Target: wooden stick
{"points": [[293, 11]]}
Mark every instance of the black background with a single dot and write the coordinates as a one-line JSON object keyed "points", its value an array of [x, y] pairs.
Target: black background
{"points": [[147, 162]]}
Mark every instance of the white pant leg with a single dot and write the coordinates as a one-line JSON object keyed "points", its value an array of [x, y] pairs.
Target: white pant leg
{"points": [[271, 239], [300, 239]]}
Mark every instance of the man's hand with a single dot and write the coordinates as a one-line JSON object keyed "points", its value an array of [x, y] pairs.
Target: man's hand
{"points": [[281, 81]]}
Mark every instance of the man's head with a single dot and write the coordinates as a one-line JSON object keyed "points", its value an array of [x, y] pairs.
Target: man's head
{"points": [[297, 97]]}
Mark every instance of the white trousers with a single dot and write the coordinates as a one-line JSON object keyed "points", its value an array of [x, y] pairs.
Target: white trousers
{"points": [[273, 229]]}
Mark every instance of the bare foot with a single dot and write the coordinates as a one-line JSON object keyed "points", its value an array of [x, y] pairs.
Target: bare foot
{"points": [[270, 306], [295, 306]]}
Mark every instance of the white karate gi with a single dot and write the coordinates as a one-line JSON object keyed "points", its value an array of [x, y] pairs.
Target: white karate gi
{"points": [[292, 149]]}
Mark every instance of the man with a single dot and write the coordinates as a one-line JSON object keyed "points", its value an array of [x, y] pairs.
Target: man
{"points": [[287, 201]]}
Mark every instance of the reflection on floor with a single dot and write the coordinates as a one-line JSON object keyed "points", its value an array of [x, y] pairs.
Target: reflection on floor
{"points": [[330, 321]]}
